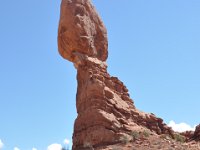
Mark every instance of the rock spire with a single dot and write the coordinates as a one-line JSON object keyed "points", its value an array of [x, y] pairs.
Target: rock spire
{"points": [[105, 110]]}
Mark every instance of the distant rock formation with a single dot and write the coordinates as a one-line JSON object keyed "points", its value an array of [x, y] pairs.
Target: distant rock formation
{"points": [[188, 135], [105, 110], [196, 135]]}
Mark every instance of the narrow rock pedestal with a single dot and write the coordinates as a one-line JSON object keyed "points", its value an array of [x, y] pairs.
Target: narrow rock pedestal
{"points": [[103, 106], [105, 110]]}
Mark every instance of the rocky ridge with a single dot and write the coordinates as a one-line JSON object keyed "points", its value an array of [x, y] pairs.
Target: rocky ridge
{"points": [[106, 113], [194, 135]]}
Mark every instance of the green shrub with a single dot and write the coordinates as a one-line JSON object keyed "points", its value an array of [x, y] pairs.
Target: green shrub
{"points": [[124, 139], [135, 135], [179, 138], [146, 133]]}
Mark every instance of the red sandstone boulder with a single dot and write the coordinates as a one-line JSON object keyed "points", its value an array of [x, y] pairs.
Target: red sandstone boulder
{"points": [[81, 30]]}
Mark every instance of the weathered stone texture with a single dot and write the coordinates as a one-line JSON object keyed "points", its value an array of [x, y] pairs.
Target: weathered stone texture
{"points": [[81, 30], [196, 134], [105, 109]]}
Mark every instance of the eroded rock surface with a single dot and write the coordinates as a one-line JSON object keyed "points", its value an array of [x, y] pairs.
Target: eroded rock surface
{"points": [[105, 110], [81, 30], [196, 135]]}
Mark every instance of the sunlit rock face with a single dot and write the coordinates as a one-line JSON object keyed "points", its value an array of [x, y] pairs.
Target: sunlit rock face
{"points": [[105, 110], [81, 30]]}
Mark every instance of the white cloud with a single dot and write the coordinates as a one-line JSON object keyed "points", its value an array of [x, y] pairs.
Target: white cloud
{"points": [[180, 127], [66, 141], [54, 147], [16, 148], [1, 144], [34, 148]]}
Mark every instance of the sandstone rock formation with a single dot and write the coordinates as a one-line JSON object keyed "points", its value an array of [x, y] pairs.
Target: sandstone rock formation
{"points": [[188, 135], [196, 135], [81, 30], [105, 110]]}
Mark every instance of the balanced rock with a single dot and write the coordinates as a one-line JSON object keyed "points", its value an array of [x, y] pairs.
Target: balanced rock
{"points": [[105, 110], [81, 30]]}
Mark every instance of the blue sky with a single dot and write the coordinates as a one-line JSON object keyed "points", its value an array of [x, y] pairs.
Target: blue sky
{"points": [[153, 48]]}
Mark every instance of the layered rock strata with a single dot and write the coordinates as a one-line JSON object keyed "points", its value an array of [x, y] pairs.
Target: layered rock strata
{"points": [[105, 110]]}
